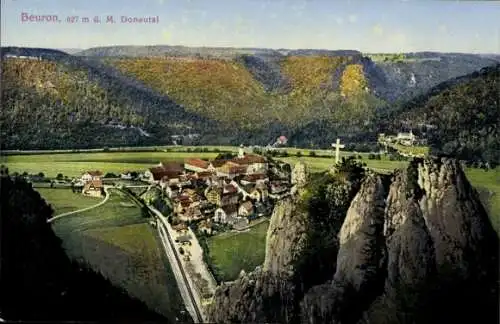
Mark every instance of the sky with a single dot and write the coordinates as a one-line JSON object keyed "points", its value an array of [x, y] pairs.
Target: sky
{"points": [[370, 26]]}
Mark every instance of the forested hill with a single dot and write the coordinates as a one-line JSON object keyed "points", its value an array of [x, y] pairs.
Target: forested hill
{"points": [[140, 95], [38, 281], [460, 117], [53, 100]]}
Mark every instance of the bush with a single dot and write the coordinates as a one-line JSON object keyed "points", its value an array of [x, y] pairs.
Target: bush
{"points": [[299, 154], [312, 153]]}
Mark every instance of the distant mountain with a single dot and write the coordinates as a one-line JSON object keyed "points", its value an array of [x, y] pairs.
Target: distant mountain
{"points": [[66, 101], [229, 95], [70, 50]]}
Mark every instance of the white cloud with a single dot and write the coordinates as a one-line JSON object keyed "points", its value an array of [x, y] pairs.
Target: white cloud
{"points": [[353, 18], [378, 30], [443, 29], [339, 20], [161, 2]]}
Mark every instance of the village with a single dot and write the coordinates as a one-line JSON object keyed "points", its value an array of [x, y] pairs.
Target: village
{"points": [[231, 191]]}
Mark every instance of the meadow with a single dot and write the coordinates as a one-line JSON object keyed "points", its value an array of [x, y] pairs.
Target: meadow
{"points": [[74, 164], [115, 240], [231, 252], [64, 200]]}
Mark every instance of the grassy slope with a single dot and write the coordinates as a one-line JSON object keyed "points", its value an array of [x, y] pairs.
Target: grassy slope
{"points": [[232, 252], [65, 200], [227, 91], [115, 240], [215, 88]]}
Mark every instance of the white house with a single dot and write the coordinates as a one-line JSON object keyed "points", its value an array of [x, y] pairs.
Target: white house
{"points": [[173, 191], [126, 175], [406, 138], [91, 175], [246, 209], [226, 214]]}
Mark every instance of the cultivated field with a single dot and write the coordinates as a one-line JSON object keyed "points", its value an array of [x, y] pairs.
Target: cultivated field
{"points": [[74, 164], [117, 241], [231, 252], [64, 200]]}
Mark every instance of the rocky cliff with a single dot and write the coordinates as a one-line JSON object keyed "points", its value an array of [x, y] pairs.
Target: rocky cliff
{"points": [[416, 247]]}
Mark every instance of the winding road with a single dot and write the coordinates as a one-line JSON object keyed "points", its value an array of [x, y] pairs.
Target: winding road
{"points": [[50, 220]]}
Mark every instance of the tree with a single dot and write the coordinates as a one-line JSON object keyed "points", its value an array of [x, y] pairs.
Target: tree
{"points": [[59, 176], [312, 153], [298, 154], [41, 175]]}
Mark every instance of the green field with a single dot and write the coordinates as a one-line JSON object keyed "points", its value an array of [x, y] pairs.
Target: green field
{"points": [[231, 252], [74, 164], [64, 200], [117, 241]]}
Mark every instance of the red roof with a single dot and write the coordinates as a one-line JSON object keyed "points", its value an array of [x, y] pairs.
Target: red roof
{"points": [[204, 174], [172, 166], [230, 189], [229, 209], [218, 163], [249, 159], [95, 173], [198, 163], [96, 184], [159, 173]]}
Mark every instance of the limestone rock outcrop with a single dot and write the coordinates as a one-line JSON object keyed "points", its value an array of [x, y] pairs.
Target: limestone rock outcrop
{"points": [[417, 247]]}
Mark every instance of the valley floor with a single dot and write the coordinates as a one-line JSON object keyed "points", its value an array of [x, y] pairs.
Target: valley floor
{"points": [[74, 164]]}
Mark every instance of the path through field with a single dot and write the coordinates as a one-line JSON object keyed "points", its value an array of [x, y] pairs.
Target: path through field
{"points": [[50, 220]]}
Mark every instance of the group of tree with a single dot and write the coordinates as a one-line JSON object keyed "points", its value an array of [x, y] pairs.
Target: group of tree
{"points": [[464, 114]]}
